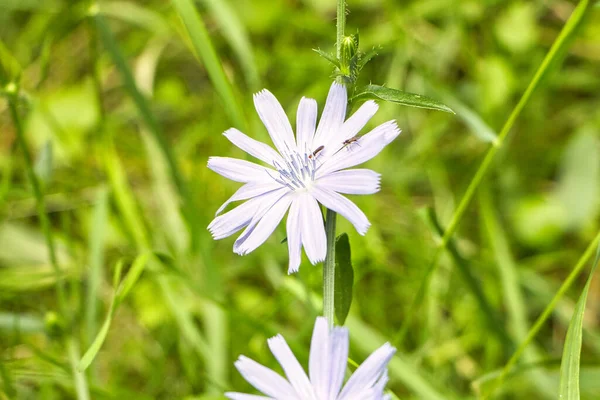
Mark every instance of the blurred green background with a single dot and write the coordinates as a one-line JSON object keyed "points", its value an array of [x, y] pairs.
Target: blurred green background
{"points": [[113, 191]]}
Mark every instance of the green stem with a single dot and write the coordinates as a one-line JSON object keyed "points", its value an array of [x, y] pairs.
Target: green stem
{"points": [[559, 47], [329, 268], [81, 386], [80, 379], [341, 25], [329, 265], [40, 203]]}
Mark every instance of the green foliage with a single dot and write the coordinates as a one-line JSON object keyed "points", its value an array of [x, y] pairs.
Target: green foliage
{"points": [[120, 103], [399, 97], [571, 359], [344, 278]]}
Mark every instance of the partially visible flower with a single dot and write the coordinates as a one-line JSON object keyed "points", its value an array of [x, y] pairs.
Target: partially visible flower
{"points": [[304, 171], [326, 369]]}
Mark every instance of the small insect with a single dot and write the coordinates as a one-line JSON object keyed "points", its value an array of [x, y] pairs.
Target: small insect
{"points": [[348, 142], [317, 150]]}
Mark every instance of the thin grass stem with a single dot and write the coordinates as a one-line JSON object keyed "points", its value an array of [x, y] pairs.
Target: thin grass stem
{"points": [[556, 51]]}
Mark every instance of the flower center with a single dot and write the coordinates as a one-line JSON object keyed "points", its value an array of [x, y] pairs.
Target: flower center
{"points": [[298, 170]]}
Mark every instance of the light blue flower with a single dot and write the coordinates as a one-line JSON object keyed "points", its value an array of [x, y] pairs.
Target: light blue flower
{"points": [[327, 366], [306, 170]]}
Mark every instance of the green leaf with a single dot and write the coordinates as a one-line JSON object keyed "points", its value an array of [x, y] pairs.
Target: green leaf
{"points": [[377, 92], [366, 57], [118, 296], [569, 366], [328, 57], [344, 278]]}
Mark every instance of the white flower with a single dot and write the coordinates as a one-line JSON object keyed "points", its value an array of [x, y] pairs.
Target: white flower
{"points": [[327, 365], [303, 172]]}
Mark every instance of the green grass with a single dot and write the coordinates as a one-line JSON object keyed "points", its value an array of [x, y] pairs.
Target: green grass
{"points": [[482, 236]]}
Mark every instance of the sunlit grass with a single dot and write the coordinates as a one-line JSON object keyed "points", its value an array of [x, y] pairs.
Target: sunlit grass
{"points": [[483, 224]]}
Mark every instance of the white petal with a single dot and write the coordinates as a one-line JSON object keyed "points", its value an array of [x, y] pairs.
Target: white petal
{"points": [[306, 120], [257, 233], [319, 359], [257, 149], [240, 170], [292, 368], [352, 126], [249, 190], [342, 206], [333, 116], [294, 237], [277, 123], [236, 219], [339, 359], [367, 147], [264, 379], [367, 374], [313, 230], [244, 396], [352, 181]]}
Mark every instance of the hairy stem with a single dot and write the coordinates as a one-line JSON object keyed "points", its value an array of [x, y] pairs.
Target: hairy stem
{"points": [[329, 265], [329, 268]]}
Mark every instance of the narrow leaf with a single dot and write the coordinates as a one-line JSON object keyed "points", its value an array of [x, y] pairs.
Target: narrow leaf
{"points": [[205, 51], [328, 57], [118, 296], [236, 34], [569, 366], [366, 57], [132, 276], [344, 278], [377, 92]]}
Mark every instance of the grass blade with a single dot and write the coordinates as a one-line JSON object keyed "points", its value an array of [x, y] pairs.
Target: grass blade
{"points": [[148, 116], [546, 313], [205, 51], [234, 32], [559, 47], [119, 295], [96, 259], [569, 367]]}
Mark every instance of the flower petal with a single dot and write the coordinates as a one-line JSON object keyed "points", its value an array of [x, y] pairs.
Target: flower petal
{"points": [[277, 123], [249, 190], [264, 379], [292, 368], [294, 237], [306, 120], [313, 230], [333, 116], [236, 219], [319, 359], [262, 227], [368, 373], [367, 147], [240, 170], [352, 181], [352, 126], [339, 359], [257, 149], [338, 203]]}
